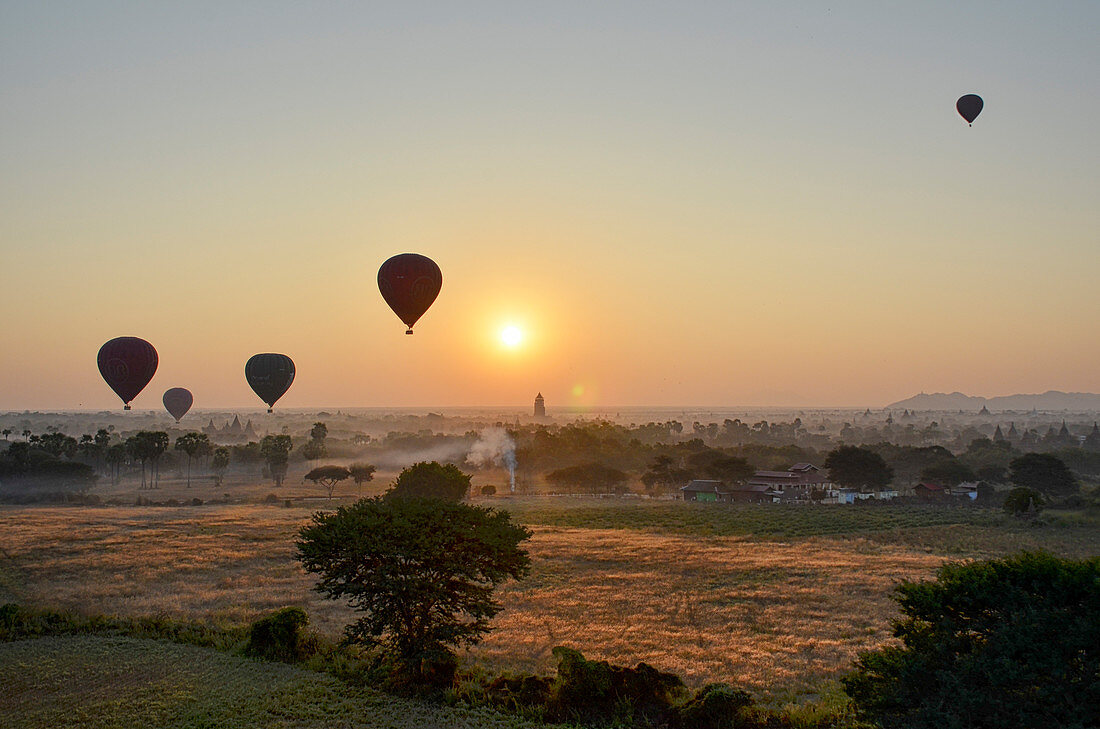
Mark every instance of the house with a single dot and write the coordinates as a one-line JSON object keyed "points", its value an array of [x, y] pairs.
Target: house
{"points": [[755, 493], [930, 491], [705, 490], [701, 490], [794, 484], [967, 490]]}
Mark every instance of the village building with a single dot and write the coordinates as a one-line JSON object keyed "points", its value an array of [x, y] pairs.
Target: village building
{"points": [[927, 491]]}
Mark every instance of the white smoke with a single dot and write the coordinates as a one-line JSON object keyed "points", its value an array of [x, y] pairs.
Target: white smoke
{"points": [[494, 447]]}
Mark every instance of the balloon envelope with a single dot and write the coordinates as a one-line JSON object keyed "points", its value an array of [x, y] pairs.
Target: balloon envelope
{"points": [[269, 375], [177, 402], [127, 364], [969, 107], [409, 283]]}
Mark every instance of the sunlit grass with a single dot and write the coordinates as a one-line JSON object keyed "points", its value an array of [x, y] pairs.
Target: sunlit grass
{"points": [[775, 599]]}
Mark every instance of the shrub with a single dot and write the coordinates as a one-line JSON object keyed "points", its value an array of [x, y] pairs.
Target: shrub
{"points": [[488, 490], [1022, 500], [715, 706], [280, 637], [1002, 643], [597, 691]]}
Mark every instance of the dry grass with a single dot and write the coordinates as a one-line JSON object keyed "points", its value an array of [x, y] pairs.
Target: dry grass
{"points": [[766, 613]]}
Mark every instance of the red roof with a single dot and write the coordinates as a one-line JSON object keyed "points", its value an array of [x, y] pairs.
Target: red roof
{"points": [[929, 486]]}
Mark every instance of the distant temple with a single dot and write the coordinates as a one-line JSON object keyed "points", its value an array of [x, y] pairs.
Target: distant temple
{"points": [[540, 406], [232, 431]]}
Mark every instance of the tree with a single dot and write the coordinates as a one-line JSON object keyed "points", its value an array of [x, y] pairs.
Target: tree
{"points": [[730, 470], [430, 480], [147, 446], [488, 490], [948, 473], [420, 571], [318, 432], [1022, 500], [1043, 472], [594, 477], [361, 473], [115, 456], [313, 450], [219, 462], [856, 467], [6, 432], [275, 450], [193, 444], [328, 476], [1002, 643]]}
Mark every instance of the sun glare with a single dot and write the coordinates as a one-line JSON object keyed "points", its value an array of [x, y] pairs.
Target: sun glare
{"points": [[511, 336]]}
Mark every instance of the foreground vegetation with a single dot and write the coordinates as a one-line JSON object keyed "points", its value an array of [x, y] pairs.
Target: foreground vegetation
{"points": [[100, 681]]}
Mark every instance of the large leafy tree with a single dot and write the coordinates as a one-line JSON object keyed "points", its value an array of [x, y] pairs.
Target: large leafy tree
{"points": [[431, 480], [275, 450], [1043, 472], [594, 477], [361, 473], [420, 571], [1005, 643], [328, 476], [859, 468], [193, 444]]}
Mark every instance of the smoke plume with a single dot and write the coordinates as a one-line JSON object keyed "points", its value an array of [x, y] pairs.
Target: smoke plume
{"points": [[494, 447]]}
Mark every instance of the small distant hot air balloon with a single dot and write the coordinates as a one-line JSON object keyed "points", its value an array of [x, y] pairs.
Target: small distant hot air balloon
{"points": [[969, 107], [269, 375], [409, 283], [127, 364], [177, 402]]}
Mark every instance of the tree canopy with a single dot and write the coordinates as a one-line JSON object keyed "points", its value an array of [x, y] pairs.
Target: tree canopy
{"points": [[430, 480], [1044, 473], [1003, 643], [328, 476], [594, 477], [857, 467], [421, 571]]}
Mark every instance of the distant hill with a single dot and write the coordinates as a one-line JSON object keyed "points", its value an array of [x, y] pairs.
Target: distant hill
{"points": [[1051, 400]]}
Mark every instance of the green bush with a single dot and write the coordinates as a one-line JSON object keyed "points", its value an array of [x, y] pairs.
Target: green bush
{"points": [[1004, 643], [596, 691], [716, 706], [281, 637], [1023, 500]]}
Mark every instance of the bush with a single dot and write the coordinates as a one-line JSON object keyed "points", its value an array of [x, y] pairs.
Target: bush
{"points": [[488, 490], [597, 691], [1023, 500], [715, 706], [280, 637], [1002, 643]]}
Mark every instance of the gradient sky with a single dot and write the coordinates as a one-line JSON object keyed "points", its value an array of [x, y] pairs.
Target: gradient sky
{"points": [[724, 203]]}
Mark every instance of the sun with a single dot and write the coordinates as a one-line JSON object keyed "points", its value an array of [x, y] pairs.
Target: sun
{"points": [[511, 336]]}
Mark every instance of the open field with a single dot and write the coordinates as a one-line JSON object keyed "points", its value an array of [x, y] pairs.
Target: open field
{"points": [[774, 598], [99, 681]]}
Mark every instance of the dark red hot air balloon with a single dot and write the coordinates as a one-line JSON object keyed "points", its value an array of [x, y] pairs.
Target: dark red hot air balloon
{"points": [[127, 364], [177, 402], [409, 283], [969, 107], [269, 375]]}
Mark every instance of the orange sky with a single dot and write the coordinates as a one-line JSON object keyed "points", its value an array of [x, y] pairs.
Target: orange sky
{"points": [[715, 206]]}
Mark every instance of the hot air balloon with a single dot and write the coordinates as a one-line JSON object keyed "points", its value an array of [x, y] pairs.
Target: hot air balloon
{"points": [[127, 364], [409, 283], [269, 375], [969, 107], [177, 402]]}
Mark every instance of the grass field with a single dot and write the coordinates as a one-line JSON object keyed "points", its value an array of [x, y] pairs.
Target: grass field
{"points": [[777, 599], [96, 682]]}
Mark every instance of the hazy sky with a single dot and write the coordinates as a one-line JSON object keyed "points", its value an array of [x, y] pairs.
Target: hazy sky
{"points": [[724, 203]]}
